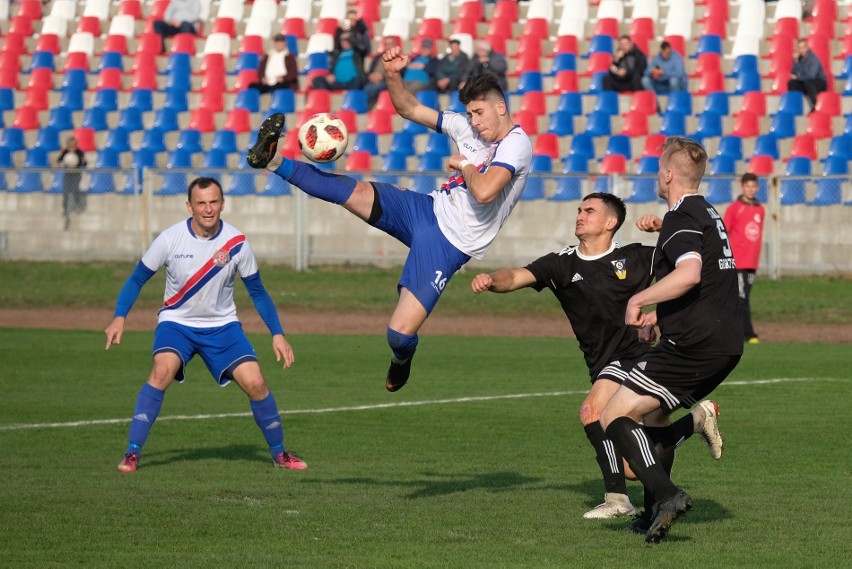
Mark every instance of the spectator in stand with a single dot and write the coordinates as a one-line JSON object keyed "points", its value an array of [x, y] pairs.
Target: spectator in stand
{"points": [[376, 72], [419, 74], [451, 68], [807, 74], [181, 17], [72, 159], [347, 68], [356, 28], [627, 69], [744, 222], [277, 69], [486, 59], [666, 72]]}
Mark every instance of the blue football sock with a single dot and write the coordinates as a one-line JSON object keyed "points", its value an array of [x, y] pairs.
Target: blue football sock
{"points": [[402, 345], [148, 404], [313, 181], [268, 418]]}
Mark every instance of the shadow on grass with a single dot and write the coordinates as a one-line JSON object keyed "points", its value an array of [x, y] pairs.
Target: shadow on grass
{"points": [[440, 484], [245, 453]]}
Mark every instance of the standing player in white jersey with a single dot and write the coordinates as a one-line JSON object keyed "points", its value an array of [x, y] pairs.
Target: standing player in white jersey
{"points": [[202, 255], [443, 229]]}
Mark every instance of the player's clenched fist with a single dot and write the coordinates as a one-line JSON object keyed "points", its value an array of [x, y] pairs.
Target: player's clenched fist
{"points": [[481, 282], [393, 60]]}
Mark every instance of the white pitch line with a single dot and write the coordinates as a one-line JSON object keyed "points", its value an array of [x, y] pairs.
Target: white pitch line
{"points": [[30, 426]]}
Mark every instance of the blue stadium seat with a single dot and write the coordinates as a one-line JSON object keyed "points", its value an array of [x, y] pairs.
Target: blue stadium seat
{"points": [[177, 101], [174, 184], [424, 184], [606, 102], [619, 144], [600, 44], [130, 119], [178, 79], [224, 141], [29, 181], [106, 99], [48, 139], [153, 139], [783, 125], [530, 81], [730, 145], [142, 159], [428, 98], [709, 125], [41, 60], [368, 141], [217, 159], [111, 60], [248, 99], [393, 162], [793, 191], [242, 183], [60, 118], [355, 100], [72, 100], [563, 62], [246, 60], [75, 80], [570, 188], [645, 188], [402, 143], [142, 100], [570, 103], [101, 182], [673, 124], [455, 105], [178, 63], [583, 145], [414, 128], [534, 189], [598, 124], [596, 83], [58, 184], [719, 189], [717, 103], [561, 123], [276, 186], [680, 102], [118, 139], [708, 44], [166, 120], [315, 62], [744, 64], [792, 102], [430, 163], [829, 187], [746, 82], [108, 158], [283, 101], [5, 162], [841, 146], [723, 164], [13, 139], [767, 144], [7, 99], [438, 143], [189, 141], [95, 118]]}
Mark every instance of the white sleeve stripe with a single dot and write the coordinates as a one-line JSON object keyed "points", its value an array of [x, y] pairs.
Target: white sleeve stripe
{"points": [[675, 233], [685, 256]]}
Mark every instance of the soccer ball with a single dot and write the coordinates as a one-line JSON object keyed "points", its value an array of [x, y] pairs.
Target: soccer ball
{"points": [[71, 160], [323, 138]]}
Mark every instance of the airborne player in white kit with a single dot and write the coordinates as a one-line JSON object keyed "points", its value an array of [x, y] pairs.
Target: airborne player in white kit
{"points": [[443, 229], [202, 255]]}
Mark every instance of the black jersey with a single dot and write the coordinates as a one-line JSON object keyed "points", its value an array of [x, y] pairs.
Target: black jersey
{"points": [[593, 292], [707, 318]]}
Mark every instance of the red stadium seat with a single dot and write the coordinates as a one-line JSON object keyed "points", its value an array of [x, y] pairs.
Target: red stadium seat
{"points": [[384, 104], [707, 62], [507, 9], [565, 44], [26, 118], [30, 9], [16, 43], [787, 27], [245, 78], [359, 161], [251, 44], [115, 43], [379, 122], [76, 60], [10, 62], [40, 78], [636, 122], [238, 120], [642, 27], [149, 44], [432, 28], [85, 138], [566, 82], [710, 82], [820, 125], [746, 125], [21, 25], [761, 165], [213, 63], [528, 121], [212, 100], [597, 63], [804, 145], [466, 26], [678, 44], [349, 118], [547, 144], [653, 145], [131, 8], [9, 77], [110, 78], [613, 164], [158, 10], [319, 101], [537, 27], [183, 43], [497, 42], [607, 27], [822, 28], [533, 102], [829, 103], [527, 62], [225, 26], [471, 11], [528, 45], [294, 27], [326, 26], [48, 42], [144, 78], [644, 102], [89, 24], [753, 102], [291, 148], [202, 120], [501, 27], [715, 27]]}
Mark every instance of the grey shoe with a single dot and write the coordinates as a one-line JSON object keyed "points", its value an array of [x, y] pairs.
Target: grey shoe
{"points": [[709, 430], [614, 506]]}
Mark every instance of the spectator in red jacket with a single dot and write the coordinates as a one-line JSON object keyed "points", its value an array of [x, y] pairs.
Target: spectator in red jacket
{"points": [[744, 222]]}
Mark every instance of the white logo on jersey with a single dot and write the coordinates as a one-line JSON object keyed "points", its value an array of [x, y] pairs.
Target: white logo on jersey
{"points": [[615, 363], [576, 278], [142, 417], [641, 365], [568, 250]]}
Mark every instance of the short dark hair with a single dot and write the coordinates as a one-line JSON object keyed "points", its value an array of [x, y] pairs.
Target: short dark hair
{"points": [[748, 177], [203, 183], [665, 45], [613, 203], [479, 86]]}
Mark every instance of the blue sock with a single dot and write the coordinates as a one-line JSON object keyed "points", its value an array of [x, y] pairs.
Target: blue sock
{"points": [[402, 345], [148, 404], [268, 419], [313, 181]]}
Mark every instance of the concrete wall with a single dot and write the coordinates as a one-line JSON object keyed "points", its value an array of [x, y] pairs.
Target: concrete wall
{"points": [[806, 239]]}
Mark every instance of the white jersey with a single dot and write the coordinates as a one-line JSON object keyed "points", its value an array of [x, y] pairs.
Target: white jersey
{"points": [[468, 225], [200, 273]]}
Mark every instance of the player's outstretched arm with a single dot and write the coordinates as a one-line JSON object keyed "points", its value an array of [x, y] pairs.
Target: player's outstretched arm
{"points": [[114, 331], [283, 350], [649, 223], [686, 275], [406, 104], [503, 280]]}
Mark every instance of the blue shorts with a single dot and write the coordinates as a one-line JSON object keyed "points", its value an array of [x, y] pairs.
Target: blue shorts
{"points": [[222, 348], [432, 260]]}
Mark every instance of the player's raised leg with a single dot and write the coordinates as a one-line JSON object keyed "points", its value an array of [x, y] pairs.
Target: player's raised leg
{"points": [[148, 405], [264, 409], [407, 318]]}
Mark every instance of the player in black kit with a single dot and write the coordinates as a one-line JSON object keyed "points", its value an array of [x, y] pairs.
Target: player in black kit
{"points": [[701, 336], [593, 282]]}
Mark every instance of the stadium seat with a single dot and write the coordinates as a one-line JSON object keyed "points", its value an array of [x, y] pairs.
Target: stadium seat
{"points": [[820, 125], [26, 118], [561, 123], [610, 165], [597, 63], [118, 139], [61, 119], [569, 188], [13, 139], [707, 63], [619, 144], [355, 100], [366, 142], [533, 102], [709, 125], [783, 125], [402, 143], [840, 146], [635, 124], [746, 125], [153, 139], [710, 82], [438, 143], [607, 102], [238, 120], [546, 144], [359, 161], [95, 118], [708, 44], [747, 82], [85, 138], [530, 81], [829, 187], [767, 145], [645, 187], [829, 103], [673, 124], [534, 189], [249, 100], [793, 192], [582, 144], [166, 119], [792, 102], [47, 139], [189, 141], [224, 141], [565, 82]]}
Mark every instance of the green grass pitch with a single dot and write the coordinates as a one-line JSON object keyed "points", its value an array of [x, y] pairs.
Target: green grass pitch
{"points": [[479, 462]]}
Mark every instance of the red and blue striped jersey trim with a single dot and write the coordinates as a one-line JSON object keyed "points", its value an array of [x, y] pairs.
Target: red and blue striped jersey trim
{"points": [[201, 277]]}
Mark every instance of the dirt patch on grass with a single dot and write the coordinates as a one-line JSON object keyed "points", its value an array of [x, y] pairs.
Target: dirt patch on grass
{"points": [[306, 322]]}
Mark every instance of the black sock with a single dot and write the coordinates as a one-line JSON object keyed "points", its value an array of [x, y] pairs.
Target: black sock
{"points": [[636, 447], [608, 457], [674, 434]]}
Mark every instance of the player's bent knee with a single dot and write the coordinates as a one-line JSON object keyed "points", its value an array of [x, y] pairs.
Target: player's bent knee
{"points": [[589, 413]]}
